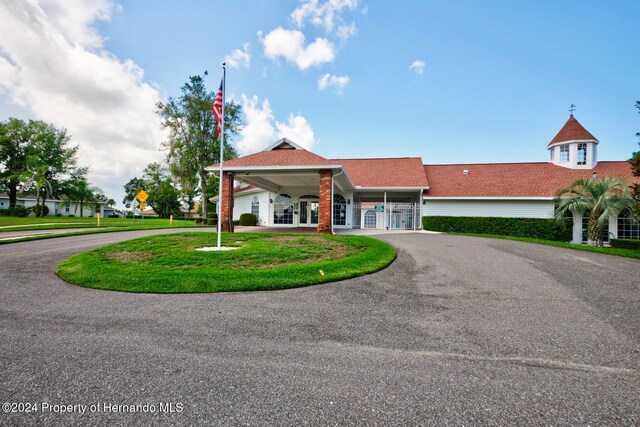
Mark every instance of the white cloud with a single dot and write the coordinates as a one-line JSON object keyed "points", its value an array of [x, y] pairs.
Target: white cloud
{"points": [[329, 80], [325, 15], [258, 131], [346, 31], [290, 45], [298, 130], [417, 66], [53, 63], [239, 57], [262, 130]]}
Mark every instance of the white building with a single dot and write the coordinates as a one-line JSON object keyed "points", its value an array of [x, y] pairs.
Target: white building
{"points": [[287, 186], [59, 207]]}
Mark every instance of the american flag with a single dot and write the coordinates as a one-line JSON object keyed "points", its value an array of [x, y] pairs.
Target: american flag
{"points": [[217, 107]]}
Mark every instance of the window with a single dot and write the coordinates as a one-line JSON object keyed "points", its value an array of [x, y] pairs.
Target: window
{"points": [[627, 229], [67, 207], [283, 209], [582, 154], [339, 210], [255, 207], [564, 153], [553, 149], [370, 219]]}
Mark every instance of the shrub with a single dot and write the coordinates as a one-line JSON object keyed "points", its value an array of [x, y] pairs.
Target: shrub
{"points": [[248, 219], [236, 222], [19, 211], [538, 228], [3, 212], [212, 218], [58, 214], [37, 209], [71, 216], [625, 243], [114, 216], [198, 220]]}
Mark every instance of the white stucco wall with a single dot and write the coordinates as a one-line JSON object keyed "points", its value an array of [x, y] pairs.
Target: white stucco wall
{"points": [[55, 207], [242, 204], [489, 208]]}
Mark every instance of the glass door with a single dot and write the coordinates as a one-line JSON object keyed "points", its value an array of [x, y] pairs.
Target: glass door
{"points": [[314, 211], [304, 206], [309, 212]]}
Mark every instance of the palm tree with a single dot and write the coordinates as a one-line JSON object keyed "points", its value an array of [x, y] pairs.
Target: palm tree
{"points": [[600, 197], [39, 178]]}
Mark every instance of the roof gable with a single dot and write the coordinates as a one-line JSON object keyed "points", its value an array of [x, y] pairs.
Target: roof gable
{"points": [[572, 131], [278, 157], [283, 144]]}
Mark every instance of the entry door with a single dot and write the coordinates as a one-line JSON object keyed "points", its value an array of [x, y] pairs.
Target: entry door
{"points": [[309, 210]]}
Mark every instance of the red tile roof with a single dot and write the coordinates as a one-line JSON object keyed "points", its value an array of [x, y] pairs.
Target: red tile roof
{"points": [[287, 157], [512, 179], [572, 130], [398, 172]]}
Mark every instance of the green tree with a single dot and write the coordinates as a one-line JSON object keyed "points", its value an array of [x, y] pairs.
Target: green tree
{"points": [[82, 194], [600, 197], [49, 158], [15, 147], [34, 156], [193, 143], [163, 196], [38, 177], [132, 188]]}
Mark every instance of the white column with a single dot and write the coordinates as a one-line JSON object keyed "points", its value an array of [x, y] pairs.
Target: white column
{"points": [[613, 227], [384, 217], [577, 228]]}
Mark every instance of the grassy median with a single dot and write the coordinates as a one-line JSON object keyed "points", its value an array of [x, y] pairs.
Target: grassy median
{"points": [[171, 264]]}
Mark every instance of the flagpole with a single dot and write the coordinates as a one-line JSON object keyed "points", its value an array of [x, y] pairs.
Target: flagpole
{"points": [[224, 93]]}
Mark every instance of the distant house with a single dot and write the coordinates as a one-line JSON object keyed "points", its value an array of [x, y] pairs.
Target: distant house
{"points": [[193, 213], [59, 207], [288, 186]]}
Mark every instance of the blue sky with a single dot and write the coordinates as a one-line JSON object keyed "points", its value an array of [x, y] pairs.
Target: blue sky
{"points": [[497, 81]]}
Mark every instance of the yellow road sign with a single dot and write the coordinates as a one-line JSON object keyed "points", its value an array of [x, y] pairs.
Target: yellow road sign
{"points": [[142, 206], [142, 196]]}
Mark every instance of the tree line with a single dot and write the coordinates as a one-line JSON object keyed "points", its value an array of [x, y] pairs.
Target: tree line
{"points": [[37, 159], [192, 145]]}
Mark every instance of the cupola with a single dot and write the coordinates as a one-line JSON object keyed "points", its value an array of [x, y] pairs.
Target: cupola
{"points": [[573, 147]]}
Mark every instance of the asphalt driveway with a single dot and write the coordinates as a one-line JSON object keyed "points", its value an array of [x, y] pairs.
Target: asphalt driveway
{"points": [[458, 330]]}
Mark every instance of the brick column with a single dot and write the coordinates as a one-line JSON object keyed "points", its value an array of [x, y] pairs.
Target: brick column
{"points": [[324, 220], [226, 211]]}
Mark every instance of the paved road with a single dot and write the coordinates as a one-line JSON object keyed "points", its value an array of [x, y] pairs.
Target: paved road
{"points": [[458, 330]]}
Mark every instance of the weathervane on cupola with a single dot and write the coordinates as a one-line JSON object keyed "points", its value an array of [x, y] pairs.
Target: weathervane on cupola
{"points": [[572, 108]]}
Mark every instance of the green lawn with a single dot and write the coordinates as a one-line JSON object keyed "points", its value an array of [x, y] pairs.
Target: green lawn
{"points": [[264, 261], [10, 223], [627, 253]]}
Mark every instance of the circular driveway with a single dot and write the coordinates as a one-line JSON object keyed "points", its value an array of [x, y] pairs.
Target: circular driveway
{"points": [[458, 330]]}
